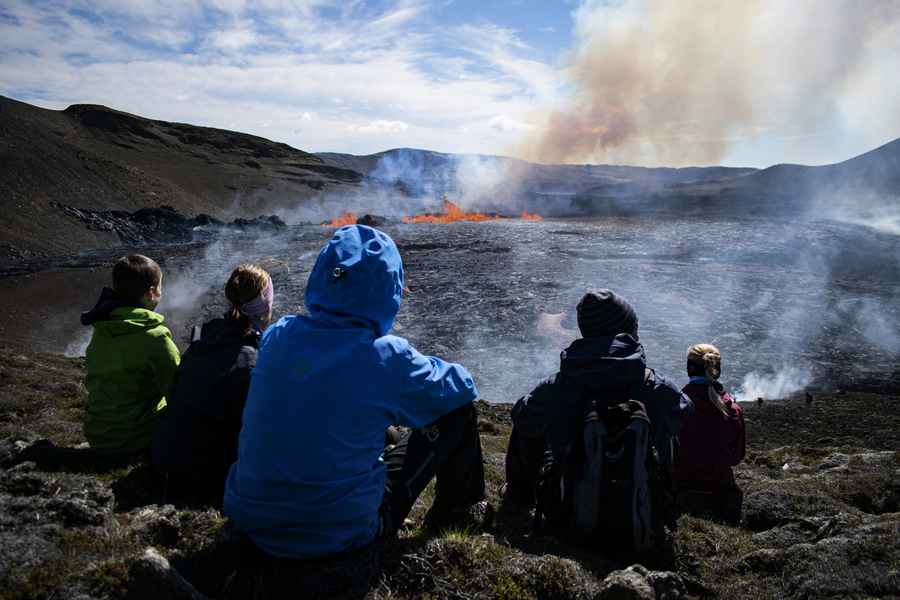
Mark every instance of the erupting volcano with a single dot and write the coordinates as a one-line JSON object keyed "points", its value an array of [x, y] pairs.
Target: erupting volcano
{"points": [[453, 213]]}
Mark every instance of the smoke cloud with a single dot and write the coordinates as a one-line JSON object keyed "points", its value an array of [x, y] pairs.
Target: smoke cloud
{"points": [[768, 386], [676, 83]]}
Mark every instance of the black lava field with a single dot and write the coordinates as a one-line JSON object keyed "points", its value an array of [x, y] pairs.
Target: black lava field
{"points": [[791, 305]]}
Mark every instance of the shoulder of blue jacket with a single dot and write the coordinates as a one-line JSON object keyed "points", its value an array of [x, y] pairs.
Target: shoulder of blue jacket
{"points": [[276, 328], [390, 346]]}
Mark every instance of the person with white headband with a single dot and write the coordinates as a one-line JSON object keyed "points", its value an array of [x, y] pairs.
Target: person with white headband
{"points": [[196, 438]]}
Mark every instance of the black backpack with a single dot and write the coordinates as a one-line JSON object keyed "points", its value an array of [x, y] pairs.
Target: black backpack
{"points": [[605, 489]]}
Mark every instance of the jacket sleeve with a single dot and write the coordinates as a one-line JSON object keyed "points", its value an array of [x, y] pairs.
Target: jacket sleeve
{"points": [[165, 362], [551, 410], [667, 408], [428, 387], [232, 389], [736, 444]]}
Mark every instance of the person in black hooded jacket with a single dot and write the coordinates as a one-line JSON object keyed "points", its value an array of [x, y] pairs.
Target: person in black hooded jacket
{"points": [[196, 437], [607, 362]]}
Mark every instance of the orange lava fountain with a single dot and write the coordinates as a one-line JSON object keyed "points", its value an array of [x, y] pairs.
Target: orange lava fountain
{"points": [[452, 213], [348, 218], [527, 216]]}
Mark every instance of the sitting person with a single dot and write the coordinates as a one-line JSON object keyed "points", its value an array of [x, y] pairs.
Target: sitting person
{"points": [[711, 441], [607, 364], [197, 435], [130, 361], [313, 484]]}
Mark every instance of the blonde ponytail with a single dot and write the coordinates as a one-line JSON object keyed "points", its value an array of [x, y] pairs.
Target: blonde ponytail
{"points": [[708, 359]]}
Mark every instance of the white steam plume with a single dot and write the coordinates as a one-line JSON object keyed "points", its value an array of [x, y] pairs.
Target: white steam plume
{"points": [[676, 83], [770, 386]]}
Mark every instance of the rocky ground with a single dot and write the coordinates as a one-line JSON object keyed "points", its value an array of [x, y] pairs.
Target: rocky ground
{"points": [[821, 517], [145, 228]]}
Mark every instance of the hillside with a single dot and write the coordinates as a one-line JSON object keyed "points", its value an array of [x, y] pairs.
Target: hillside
{"points": [[92, 157]]}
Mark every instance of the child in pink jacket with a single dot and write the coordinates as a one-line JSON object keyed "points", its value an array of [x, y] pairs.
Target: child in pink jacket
{"points": [[711, 442]]}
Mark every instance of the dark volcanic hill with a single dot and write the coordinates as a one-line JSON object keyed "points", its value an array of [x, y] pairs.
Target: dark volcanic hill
{"points": [[93, 157], [599, 189], [870, 180], [99, 159], [549, 189]]}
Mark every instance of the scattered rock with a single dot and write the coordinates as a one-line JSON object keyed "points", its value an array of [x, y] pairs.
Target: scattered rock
{"points": [[374, 220], [266, 222], [667, 585], [770, 507], [22, 553], [632, 583], [156, 525], [153, 578], [162, 224]]}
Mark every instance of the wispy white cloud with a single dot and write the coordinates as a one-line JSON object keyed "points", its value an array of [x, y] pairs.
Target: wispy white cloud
{"points": [[503, 123], [321, 74], [380, 126]]}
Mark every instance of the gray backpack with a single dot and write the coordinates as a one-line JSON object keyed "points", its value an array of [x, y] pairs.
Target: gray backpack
{"points": [[603, 489]]}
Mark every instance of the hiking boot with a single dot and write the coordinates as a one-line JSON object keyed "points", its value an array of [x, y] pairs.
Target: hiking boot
{"points": [[515, 502], [473, 518]]}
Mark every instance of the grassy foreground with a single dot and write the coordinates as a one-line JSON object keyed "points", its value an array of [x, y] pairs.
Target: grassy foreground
{"points": [[821, 517]]}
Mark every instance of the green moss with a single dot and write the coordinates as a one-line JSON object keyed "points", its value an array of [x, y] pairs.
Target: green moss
{"points": [[495, 444], [38, 585], [109, 580], [504, 587]]}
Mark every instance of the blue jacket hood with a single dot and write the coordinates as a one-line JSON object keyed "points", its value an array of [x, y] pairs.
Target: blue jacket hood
{"points": [[357, 280]]}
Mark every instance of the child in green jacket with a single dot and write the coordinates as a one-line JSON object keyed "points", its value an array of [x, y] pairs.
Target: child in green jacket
{"points": [[130, 361]]}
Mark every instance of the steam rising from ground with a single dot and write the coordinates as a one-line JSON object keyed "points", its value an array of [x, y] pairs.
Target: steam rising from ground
{"points": [[782, 384], [676, 83], [405, 182]]}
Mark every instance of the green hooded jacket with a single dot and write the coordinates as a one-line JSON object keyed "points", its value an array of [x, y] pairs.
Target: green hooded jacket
{"points": [[130, 364]]}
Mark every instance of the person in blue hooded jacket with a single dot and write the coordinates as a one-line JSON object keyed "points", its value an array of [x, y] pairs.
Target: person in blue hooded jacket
{"points": [[313, 479]]}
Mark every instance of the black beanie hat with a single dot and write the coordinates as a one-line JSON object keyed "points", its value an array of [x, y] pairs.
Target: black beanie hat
{"points": [[602, 314]]}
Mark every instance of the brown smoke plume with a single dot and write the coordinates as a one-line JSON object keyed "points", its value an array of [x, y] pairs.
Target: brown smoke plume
{"points": [[677, 82]]}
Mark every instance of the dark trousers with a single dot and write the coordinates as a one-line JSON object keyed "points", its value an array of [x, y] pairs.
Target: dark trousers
{"points": [[449, 449], [199, 489], [725, 503], [50, 457], [524, 456]]}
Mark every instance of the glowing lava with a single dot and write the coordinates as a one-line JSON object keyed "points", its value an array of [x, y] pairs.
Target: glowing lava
{"points": [[452, 213], [348, 218]]}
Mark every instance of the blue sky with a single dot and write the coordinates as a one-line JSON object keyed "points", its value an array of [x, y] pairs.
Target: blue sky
{"points": [[652, 80]]}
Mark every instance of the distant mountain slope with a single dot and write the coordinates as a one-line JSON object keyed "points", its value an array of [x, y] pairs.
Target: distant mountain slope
{"points": [[877, 171], [600, 189], [870, 180], [94, 157], [537, 183]]}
